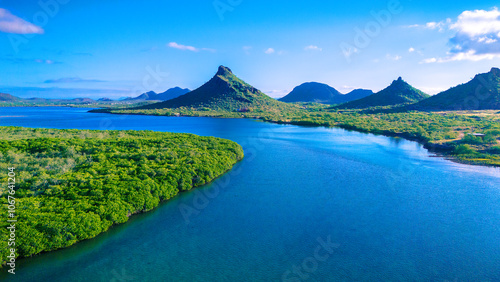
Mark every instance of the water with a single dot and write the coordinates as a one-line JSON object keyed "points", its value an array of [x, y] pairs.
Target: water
{"points": [[390, 209]]}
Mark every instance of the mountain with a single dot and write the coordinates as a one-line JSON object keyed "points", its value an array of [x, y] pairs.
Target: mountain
{"points": [[224, 92], [172, 93], [8, 98], [481, 93], [104, 100], [153, 96], [312, 92], [357, 94], [143, 97], [321, 93], [399, 92]]}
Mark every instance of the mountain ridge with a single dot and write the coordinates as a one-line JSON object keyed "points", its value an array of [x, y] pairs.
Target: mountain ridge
{"points": [[315, 92], [399, 92], [480, 93], [224, 91]]}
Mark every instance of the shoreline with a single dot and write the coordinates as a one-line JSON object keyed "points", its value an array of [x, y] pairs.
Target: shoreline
{"points": [[438, 149]]}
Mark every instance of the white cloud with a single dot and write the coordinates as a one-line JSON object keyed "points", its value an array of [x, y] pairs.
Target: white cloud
{"points": [[178, 46], [313, 48], [463, 56], [182, 47], [393, 58], [411, 50], [441, 26], [478, 23], [429, 61], [12, 24], [477, 37], [270, 51]]}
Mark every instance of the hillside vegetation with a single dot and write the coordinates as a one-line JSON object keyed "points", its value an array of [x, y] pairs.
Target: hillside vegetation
{"points": [[481, 93], [398, 93], [224, 92]]}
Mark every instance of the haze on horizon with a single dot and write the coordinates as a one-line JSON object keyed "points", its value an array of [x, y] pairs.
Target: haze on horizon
{"points": [[68, 49]]}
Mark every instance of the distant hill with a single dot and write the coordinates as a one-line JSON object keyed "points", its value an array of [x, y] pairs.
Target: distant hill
{"points": [[312, 92], [481, 93], [70, 101], [357, 94], [172, 93], [104, 100], [143, 97], [321, 93], [224, 92], [8, 98], [167, 95], [399, 92]]}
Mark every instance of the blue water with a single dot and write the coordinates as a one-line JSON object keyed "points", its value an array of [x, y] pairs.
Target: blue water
{"points": [[385, 209]]}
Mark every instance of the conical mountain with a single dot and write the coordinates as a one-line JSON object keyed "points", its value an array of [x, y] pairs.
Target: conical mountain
{"points": [[314, 92], [399, 92], [481, 93], [224, 92]]}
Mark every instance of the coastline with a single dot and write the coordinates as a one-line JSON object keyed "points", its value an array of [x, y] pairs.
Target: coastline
{"points": [[238, 157], [441, 150]]}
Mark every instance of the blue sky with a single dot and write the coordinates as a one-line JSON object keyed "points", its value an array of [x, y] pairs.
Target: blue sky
{"points": [[71, 48]]}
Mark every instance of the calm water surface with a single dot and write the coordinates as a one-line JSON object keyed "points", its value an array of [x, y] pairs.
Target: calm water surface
{"points": [[385, 208]]}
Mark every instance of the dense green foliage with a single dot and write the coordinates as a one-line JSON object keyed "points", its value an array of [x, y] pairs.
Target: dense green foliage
{"points": [[481, 93], [74, 184], [399, 92]]}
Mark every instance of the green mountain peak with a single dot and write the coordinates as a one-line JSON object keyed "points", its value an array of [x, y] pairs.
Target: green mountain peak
{"points": [[224, 92]]}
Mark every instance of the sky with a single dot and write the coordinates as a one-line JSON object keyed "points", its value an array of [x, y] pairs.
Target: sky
{"points": [[122, 48]]}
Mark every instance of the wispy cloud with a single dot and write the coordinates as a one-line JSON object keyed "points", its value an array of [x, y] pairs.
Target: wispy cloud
{"points": [[270, 51], [72, 80], [477, 37], [313, 48], [178, 46], [66, 93], [48, 62], [393, 57], [13, 24], [30, 61], [440, 26]]}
